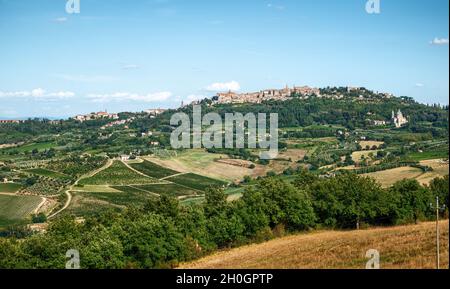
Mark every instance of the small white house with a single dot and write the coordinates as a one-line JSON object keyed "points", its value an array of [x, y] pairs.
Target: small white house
{"points": [[124, 157]]}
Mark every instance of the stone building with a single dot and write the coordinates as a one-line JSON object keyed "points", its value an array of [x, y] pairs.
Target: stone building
{"points": [[399, 120]]}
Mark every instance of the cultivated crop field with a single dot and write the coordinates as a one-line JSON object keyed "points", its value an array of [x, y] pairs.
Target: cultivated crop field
{"points": [[389, 177], [371, 144], [14, 209], [293, 155], [87, 204], [32, 146], [76, 166], [202, 163], [118, 186], [440, 169], [196, 182], [121, 198], [173, 190], [10, 187], [153, 170], [118, 174], [46, 187], [358, 156]]}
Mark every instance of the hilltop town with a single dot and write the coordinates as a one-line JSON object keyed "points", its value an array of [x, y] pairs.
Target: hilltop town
{"points": [[301, 92]]}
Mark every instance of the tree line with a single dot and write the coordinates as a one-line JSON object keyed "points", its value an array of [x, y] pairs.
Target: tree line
{"points": [[162, 233]]}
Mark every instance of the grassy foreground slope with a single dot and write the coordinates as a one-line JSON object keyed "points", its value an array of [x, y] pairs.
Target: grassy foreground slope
{"points": [[405, 247]]}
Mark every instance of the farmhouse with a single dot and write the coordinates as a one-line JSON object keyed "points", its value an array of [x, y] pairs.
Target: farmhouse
{"points": [[379, 122]]}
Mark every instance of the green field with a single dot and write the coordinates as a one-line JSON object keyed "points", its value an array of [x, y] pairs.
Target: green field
{"points": [[117, 174], [438, 154], [172, 190], [121, 199], [14, 209], [92, 203], [195, 181], [153, 170], [88, 204], [10, 187], [32, 146], [47, 173]]}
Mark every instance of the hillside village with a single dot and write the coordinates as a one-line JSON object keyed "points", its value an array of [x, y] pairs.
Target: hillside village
{"points": [[301, 92], [305, 92]]}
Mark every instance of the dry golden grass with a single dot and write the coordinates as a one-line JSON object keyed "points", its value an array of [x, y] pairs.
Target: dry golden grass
{"points": [[357, 156], [293, 155], [203, 163], [364, 144], [440, 169], [389, 177], [404, 247], [96, 189]]}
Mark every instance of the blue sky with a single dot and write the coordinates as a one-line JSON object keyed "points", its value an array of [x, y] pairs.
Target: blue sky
{"points": [[132, 55]]}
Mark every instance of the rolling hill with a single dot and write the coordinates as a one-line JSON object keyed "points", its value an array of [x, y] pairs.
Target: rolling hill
{"points": [[404, 247]]}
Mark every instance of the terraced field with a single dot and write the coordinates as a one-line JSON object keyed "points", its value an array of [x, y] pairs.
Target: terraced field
{"points": [[118, 174], [15, 209]]}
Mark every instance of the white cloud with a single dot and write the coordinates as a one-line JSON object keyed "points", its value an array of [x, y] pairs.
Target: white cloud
{"points": [[420, 85], [439, 41], [61, 19], [61, 94], [38, 94], [127, 96], [224, 86], [195, 97]]}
